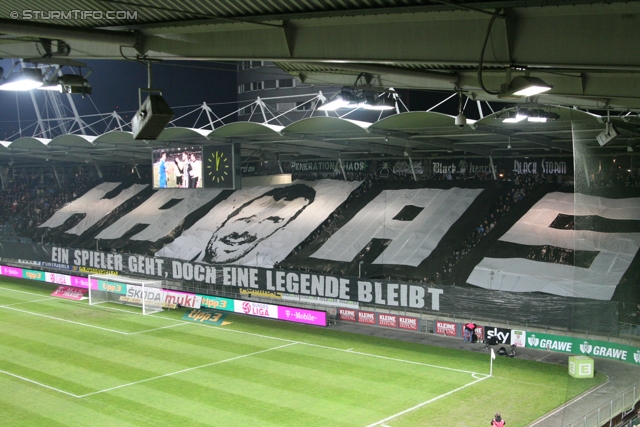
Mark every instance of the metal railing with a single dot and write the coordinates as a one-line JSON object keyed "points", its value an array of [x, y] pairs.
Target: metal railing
{"points": [[622, 402]]}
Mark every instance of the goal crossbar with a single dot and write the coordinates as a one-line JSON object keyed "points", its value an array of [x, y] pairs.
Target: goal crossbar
{"points": [[144, 293]]}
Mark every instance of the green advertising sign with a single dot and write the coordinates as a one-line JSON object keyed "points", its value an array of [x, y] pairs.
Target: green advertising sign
{"points": [[581, 367], [114, 287], [209, 317], [584, 347], [217, 303], [33, 275]]}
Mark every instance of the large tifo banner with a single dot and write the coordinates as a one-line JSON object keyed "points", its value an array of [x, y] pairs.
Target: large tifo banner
{"points": [[299, 283], [609, 237]]}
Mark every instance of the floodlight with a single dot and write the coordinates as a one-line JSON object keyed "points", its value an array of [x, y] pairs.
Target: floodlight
{"points": [[524, 86], [515, 118], [51, 85], [380, 104], [343, 99], [23, 80]]}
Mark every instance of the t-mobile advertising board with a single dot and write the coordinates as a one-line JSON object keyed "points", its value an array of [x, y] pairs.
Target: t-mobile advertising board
{"points": [[69, 292]]}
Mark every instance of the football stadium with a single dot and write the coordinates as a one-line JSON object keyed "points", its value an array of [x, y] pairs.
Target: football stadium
{"points": [[320, 213]]}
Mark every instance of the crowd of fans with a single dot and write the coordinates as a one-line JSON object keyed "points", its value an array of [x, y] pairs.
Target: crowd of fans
{"points": [[30, 200]]}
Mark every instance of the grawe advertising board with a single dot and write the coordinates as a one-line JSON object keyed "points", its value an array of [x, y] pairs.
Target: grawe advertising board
{"points": [[584, 347], [449, 329]]}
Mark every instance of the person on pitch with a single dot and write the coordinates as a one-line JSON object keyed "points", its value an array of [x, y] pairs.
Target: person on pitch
{"points": [[497, 421]]}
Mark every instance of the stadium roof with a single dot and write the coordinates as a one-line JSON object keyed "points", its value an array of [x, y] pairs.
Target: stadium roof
{"points": [[585, 49], [416, 134]]}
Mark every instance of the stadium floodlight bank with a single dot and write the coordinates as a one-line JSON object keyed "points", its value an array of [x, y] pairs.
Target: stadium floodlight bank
{"points": [[143, 293]]}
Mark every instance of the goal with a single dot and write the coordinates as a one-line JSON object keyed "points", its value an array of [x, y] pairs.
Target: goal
{"points": [[143, 293]]}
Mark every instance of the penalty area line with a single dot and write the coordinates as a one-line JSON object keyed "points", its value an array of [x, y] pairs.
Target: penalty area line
{"points": [[186, 370], [420, 405], [155, 329], [26, 302], [64, 320], [39, 384]]}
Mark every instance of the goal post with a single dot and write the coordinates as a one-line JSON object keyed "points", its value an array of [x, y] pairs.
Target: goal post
{"points": [[144, 293]]}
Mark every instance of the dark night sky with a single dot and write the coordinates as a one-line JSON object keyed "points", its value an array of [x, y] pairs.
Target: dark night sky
{"points": [[115, 88]]}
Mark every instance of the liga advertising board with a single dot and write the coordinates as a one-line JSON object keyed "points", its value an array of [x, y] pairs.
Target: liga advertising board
{"points": [[257, 309]]}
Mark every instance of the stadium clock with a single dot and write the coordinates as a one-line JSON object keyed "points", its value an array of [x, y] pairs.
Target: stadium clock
{"points": [[219, 166]]}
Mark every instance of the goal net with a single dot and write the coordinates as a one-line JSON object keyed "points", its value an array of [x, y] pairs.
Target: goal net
{"points": [[143, 293]]}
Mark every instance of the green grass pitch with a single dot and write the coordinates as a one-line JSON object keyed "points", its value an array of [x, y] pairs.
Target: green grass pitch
{"points": [[65, 363]]}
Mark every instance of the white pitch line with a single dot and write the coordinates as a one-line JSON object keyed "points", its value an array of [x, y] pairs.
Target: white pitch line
{"points": [[26, 302], [39, 384], [20, 292], [155, 329], [186, 370], [425, 403], [65, 320], [218, 329], [350, 351]]}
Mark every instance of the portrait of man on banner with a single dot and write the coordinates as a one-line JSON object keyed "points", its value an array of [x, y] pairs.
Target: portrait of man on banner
{"points": [[257, 220]]}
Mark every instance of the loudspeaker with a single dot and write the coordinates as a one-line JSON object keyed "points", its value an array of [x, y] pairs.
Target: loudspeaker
{"points": [[152, 117], [607, 135]]}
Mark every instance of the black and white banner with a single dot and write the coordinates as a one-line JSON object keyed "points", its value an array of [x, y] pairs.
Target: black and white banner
{"points": [[398, 295], [613, 237]]}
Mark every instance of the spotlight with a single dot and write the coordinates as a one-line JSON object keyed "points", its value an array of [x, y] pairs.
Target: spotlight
{"points": [[523, 86], [23, 80]]}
